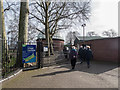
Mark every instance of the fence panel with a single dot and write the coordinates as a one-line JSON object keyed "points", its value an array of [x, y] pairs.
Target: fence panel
{"points": [[57, 57], [9, 56]]}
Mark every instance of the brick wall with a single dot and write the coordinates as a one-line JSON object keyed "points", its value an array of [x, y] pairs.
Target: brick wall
{"points": [[57, 43], [104, 49]]}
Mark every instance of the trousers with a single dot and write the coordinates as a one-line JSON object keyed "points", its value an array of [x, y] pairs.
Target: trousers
{"points": [[73, 62]]}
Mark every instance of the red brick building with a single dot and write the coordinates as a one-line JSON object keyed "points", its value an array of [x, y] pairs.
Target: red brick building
{"points": [[58, 44], [104, 49]]}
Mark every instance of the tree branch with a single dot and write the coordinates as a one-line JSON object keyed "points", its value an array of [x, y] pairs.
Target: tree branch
{"points": [[38, 18], [40, 31]]}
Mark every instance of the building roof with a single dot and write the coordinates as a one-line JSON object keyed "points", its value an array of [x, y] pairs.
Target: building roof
{"points": [[56, 36], [80, 38], [86, 38]]}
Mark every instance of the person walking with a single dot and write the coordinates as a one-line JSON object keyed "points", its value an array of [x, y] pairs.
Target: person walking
{"points": [[80, 54], [84, 52], [89, 56], [73, 56]]}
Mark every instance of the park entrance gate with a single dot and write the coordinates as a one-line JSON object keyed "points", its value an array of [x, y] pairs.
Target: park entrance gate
{"points": [[42, 58], [9, 56]]}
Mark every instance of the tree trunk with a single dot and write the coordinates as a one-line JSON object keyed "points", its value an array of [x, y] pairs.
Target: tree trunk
{"points": [[3, 21], [0, 35], [51, 46], [23, 29], [47, 27], [3, 32]]}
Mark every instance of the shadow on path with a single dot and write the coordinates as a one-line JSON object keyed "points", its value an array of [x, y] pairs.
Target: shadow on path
{"points": [[53, 73], [95, 68]]}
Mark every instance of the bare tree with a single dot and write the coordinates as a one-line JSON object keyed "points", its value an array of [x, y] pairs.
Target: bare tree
{"points": [[3, 31], [4, 37], [14, 28], [92, 33], [71, 36], [110, 33], [12, 9], [50, 17], [3, 15], [55, 16], [32, 32]]}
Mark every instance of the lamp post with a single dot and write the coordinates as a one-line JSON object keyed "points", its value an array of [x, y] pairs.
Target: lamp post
{"points": [[83, 25]]}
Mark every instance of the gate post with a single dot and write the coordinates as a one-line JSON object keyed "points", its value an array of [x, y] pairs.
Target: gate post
{"points": [[1, 55], [39, 53]]}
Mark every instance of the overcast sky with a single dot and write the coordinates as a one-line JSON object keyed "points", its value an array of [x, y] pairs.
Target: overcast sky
{"points": [[104, 17]]}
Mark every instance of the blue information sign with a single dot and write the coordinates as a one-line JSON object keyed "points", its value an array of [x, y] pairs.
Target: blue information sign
{"points": [[28, 53]]}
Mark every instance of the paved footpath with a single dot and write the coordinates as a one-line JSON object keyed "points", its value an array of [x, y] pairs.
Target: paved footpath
{"points": [[99, 75]]}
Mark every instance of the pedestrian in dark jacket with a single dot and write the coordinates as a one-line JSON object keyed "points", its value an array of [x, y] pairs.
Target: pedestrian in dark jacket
{"points": [[89, 56], [84, 52], [73, 56], [80, 54]]}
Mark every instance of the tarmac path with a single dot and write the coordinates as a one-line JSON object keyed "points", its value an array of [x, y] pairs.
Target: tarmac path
{"points": [[99, 75]]}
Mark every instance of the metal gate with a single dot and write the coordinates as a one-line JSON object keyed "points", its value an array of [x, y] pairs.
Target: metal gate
{"points": [[37, 55], [9, 56], [56, 57], [10, 59]]}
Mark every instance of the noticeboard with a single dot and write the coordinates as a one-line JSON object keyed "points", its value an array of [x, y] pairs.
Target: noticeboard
{"points": [[45, 49], [28, 53]]}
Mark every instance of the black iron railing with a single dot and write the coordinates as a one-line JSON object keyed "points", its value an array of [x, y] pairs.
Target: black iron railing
{"points": [[9, 55]]}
